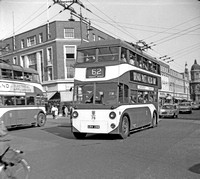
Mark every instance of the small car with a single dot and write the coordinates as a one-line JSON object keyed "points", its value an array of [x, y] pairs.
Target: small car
{"points": [[169, 110], [185, 107], [195, 105]]}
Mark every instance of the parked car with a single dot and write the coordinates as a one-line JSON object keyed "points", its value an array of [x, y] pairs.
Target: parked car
{"points": [[185, 107], [169, 110], [195, 105]]}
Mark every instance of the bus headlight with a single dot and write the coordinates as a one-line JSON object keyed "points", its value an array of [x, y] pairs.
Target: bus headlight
{"points": [[112, 115], [75, 114]]}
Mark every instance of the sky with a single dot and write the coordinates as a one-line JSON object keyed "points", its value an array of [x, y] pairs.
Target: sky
{"points": [[170, 27]]}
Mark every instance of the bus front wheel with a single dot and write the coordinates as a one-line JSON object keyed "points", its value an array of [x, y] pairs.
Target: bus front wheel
{"points": [[79, 135], [41, 119], [125, 127]]}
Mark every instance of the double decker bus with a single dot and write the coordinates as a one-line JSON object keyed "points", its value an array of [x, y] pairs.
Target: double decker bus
{"points": [[115, 89], [22, 100]]}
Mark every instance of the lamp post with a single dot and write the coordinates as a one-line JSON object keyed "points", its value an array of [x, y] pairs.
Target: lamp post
{"points": [[172, 84]]}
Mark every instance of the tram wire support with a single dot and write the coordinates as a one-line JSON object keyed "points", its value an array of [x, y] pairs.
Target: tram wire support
{"points": [[67, 6]]}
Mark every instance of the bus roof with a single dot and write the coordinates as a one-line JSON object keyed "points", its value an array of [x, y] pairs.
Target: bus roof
{"points": [[115, 42], [5, 65], [17, 67], [30, 70]]}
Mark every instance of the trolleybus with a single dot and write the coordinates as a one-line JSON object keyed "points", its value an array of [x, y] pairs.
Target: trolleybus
{"points": [[22, 99], [115, 89]]}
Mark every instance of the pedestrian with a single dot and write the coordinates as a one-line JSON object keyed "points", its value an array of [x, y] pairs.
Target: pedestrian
{"points": [[63, 111], [66, 111], [54, 111]]}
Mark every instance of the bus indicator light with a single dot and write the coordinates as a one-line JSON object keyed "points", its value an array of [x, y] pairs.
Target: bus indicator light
{"points": [[112, 115], [112, 125]]}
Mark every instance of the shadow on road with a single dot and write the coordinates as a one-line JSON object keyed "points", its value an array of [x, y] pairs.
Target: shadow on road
{"points": [[16, 128], [65, 132], [195, 168]]}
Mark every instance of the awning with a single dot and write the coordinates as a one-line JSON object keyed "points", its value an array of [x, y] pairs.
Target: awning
{"points": [[169, 97], [66, 96], [50, 95]]}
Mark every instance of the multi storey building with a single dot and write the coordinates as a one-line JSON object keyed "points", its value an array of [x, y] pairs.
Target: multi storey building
{"points": [[175, 85], [51, 50], [195, 82]]}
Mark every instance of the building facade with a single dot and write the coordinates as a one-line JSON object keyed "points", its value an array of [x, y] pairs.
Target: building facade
{"points": [[175, 85], [51, 50], [195, 82]]}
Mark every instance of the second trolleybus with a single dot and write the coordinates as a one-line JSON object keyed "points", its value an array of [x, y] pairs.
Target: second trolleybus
{"points": [[22, 100], [115, 89]]}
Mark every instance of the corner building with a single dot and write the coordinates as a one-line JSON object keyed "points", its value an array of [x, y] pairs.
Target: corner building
{"points": [[51, 50]]}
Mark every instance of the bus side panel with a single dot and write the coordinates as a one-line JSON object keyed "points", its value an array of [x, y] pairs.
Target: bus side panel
{"points": [[10, 118], [26, 116], [23, 116], [139, 116]]}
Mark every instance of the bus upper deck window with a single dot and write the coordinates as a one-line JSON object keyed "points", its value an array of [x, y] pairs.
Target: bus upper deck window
{"points": [[132, 58], [88, 55], [35, 78], [108, 54], [18, 75], [6, 73], [123, 55]]}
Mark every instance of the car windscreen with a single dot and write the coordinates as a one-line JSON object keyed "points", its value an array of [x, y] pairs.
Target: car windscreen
{"points": [[168, 107]]}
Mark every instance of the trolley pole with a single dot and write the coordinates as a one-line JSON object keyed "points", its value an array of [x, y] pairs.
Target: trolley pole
{"points": [[68, 5]]}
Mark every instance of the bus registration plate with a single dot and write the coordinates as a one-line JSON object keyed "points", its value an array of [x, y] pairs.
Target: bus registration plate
{"points": [[94, 126]]}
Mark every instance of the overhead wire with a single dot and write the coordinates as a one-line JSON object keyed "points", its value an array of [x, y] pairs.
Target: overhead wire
{"points": [[187, 52], [166, 39], [124, 30], [172, 27], [142, 29], [185, 49], [30, 20]]}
